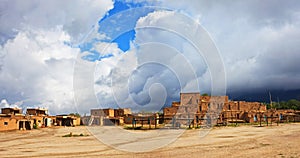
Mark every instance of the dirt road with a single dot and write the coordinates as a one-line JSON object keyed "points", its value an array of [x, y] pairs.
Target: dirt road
{"points": [[242, 141]]}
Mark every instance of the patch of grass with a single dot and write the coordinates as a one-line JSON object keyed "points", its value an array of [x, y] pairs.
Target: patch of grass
{"points": [[67, 135], [75, 135], [35, 126], [262, 144], [145, 128]]}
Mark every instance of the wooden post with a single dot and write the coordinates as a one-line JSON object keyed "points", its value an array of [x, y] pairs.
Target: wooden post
{"points": [[259, 119], [149, 122], [271, 119], [236, 119], [197, 120], [133, 122], [173, 122], [189, 121]]}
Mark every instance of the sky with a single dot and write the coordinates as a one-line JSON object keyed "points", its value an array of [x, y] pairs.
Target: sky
{"points": [[72, 56]]}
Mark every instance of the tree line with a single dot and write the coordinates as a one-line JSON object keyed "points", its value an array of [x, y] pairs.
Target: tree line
{"points": [[291, 104]]}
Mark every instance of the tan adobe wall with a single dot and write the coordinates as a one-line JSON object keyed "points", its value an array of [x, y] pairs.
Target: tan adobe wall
{"points": [[121, 112], [176, 103], [118, 112], [109, 112], [76, 122], [12, 123], [97, 112], [127, 111], [7, 124], [39, 120], [219, 99], [187, 109], [85, 120], [170, 111], [189, 98], [232, 105], [203, 107], [11, 111], [37, 112]]}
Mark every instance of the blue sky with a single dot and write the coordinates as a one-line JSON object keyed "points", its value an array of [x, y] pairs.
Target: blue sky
{"points": [[124, 39]]}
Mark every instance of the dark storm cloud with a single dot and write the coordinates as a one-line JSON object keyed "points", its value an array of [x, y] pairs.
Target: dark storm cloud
{"points": [[263, 41], [146, 76]]}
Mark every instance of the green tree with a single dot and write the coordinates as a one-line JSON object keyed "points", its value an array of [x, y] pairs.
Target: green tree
{"points": [[205, 94], [75, 114], [291, 104], [294, 104]]}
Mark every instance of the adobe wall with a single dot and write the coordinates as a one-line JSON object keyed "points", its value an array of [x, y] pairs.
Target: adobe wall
{"points": [[118, 112], [189, 98], [109, 112], [203, 107], [97, 112], [12, 123], [76, 122], [127, 111], [187, 109], [11, 111], [252, 106], [7, 124], [170, 111], [176, 103]]}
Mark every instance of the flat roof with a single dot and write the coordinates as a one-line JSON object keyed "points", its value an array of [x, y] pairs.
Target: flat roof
{"points": [[14, 108], [42, 109]]}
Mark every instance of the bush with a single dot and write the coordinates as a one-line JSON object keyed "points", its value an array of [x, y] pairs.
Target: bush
{"points": [[35, 126]]}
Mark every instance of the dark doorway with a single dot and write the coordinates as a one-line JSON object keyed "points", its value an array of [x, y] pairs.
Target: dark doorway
{"points": [[21, 125], [27, 125]]}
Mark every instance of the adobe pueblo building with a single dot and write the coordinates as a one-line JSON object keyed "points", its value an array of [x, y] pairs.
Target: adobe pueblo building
{"points": [[195, 110], [12, 118], [121, 116], [108, 116]]}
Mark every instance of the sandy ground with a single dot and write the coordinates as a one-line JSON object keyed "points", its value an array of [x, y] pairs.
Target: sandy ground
{"points": [[242, 141]]}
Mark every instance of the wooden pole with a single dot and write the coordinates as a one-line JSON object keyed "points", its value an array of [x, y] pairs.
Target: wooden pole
{"points": [[132, 122], [142, 123], [236, 119], [259, 119]]}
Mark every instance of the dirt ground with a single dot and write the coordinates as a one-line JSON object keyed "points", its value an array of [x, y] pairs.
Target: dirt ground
{"points": [[241, 141]]}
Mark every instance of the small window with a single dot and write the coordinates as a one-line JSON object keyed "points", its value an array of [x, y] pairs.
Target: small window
{"points": [[5, 123]]}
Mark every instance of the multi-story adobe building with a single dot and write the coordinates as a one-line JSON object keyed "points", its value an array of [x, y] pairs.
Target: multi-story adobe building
{"points": [[11, 118], [194, 109], [106, 116]]}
